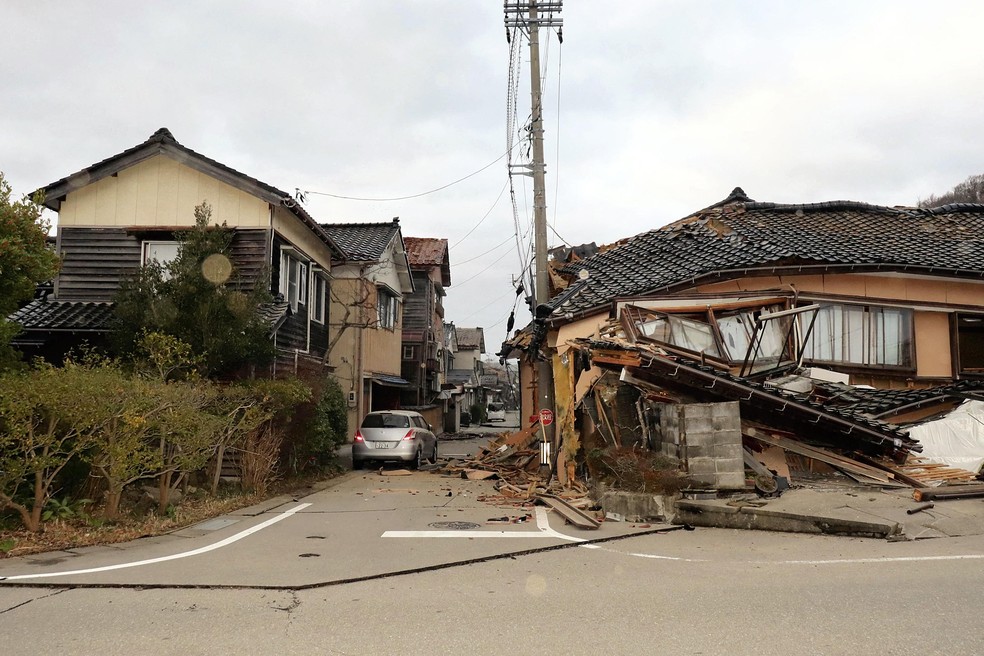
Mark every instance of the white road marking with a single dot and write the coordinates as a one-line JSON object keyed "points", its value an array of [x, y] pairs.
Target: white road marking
{"points": [[544, 531], [542, 525], [185, 554]]}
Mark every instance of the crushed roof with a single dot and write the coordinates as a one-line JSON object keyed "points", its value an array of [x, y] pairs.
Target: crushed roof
{"points": [[738, 234], [429, 252], [161, 141], [363, 241]]}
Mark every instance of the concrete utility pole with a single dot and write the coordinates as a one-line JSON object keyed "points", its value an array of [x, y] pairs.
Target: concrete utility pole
{"points": [[534, 19]]}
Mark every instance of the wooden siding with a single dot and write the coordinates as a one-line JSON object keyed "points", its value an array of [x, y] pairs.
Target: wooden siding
{"points": [[251, 256], [94, 261]]}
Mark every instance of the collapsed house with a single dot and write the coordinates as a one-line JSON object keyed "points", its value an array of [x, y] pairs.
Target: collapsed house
{"points": [[758, 339]]}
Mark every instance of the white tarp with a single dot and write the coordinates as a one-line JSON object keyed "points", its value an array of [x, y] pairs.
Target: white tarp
{"points": [[956, 440]]}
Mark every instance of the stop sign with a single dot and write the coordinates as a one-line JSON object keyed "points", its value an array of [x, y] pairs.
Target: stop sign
{"points": [[546, 416]]}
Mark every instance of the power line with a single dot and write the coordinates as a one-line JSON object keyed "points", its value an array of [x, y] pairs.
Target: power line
{"points": [[484, 217], [494, 262], [424, 193], [494, 248]]}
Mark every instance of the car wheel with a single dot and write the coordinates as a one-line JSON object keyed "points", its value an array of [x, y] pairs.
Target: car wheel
{"points": [[358, 464], [434, 459], [418, 459]]}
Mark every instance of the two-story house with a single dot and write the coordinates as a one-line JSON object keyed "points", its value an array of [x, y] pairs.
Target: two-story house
{"points": [[123, 211], [423, 326], [368, 294]]}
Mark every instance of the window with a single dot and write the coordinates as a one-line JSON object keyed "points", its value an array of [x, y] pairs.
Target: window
{"points": [[293, 280], [319, 296], [970, 342], [387, 308], [162, 252], [408, 353], [861, 335]]}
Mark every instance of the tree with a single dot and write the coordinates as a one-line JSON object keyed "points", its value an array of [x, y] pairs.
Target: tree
{"points": [[44, 424], [25, 260], [970, 190], [198, 299]]}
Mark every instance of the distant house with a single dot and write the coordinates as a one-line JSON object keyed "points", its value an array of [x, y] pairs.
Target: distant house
{"points": [[119, 213], [423, 326], [369, 292], [471, 347]]}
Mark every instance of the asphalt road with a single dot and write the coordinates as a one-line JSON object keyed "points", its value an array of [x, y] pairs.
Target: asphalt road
{"points": [[411, 564]]}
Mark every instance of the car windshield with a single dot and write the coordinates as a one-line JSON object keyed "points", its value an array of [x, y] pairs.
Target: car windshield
{"points": [[495, 407], [386, 420]]}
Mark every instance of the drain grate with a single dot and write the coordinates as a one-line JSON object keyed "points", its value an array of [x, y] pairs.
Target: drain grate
{"points": [[454, 526]]}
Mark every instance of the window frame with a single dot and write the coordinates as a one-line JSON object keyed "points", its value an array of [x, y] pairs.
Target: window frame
{"points": [[866, 349], [293, 278], [319, 298], [387, 308]]}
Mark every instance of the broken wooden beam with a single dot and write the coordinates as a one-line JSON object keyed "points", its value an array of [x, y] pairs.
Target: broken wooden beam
{"points": [[948, 492], [570, 514]]}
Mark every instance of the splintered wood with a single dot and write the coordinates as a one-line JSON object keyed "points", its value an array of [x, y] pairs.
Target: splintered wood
{"points": [[515, 466]]}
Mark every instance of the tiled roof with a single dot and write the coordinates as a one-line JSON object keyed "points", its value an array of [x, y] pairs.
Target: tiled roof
{"points": [[97, 316], [159, 142], [737, 235], [460, 376], [878, 402], [429, 252], [64, 315], [275, 312], [470, 338], [363, 241]]}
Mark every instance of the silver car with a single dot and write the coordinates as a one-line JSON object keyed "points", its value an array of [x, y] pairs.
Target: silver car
{"points": [[401, 435]]}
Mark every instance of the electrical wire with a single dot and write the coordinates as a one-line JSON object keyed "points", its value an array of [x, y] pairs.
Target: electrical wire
{"points": [[474, 227], [467, 280], [424, 193], [494, 248], [560, 63]]}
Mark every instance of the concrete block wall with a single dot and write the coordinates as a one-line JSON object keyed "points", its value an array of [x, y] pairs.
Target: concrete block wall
{"points": [[707, 438]]}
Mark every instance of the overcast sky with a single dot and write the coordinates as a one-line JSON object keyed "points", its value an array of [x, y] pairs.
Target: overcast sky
{"points": [[653, 109]]}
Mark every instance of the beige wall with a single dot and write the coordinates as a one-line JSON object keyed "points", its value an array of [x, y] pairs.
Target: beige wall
{"points": [[301, 237], [933, 344], [160, 192], [911, 289]]}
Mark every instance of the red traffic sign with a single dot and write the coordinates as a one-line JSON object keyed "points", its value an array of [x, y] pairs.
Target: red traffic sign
{"points": [[546, 416]]}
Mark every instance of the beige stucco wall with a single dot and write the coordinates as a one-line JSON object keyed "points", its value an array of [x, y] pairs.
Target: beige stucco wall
{"points": [[933, 344], [160, 192], [911, 289]]}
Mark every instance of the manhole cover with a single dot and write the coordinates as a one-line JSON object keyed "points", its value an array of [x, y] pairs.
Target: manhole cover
{"points": [[454, 526]]}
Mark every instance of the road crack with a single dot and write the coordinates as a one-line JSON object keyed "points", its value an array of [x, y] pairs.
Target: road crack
{"points": [[24, 603]]}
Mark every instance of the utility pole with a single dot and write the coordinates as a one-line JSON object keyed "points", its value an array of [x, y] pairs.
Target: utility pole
{"points": [[538, 13]]}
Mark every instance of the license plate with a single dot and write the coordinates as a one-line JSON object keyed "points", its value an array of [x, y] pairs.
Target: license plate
{"points": [[383, 445]]}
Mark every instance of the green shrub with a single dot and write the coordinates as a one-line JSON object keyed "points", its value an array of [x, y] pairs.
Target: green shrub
{"points": [[329, 425]]}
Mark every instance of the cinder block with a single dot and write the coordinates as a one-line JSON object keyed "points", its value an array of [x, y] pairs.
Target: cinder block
{"points": [[727, 451], [730, 481], [725, 465], [701, 466]]}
